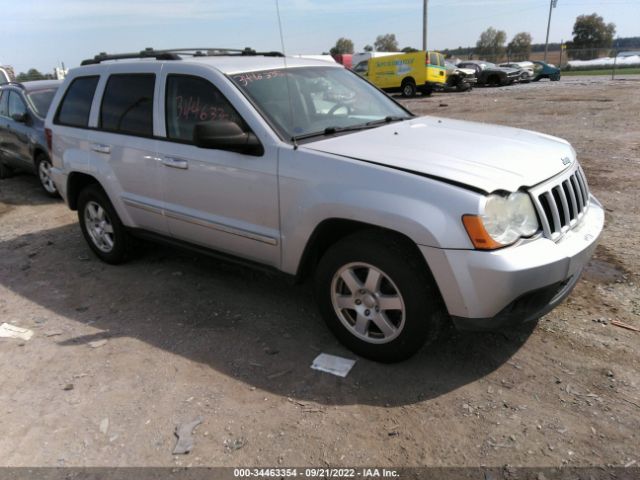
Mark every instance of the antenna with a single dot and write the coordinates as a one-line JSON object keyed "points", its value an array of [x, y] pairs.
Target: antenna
{"points": [[286, 76]]}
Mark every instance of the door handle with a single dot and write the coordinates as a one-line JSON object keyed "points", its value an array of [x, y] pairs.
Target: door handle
{"points": [[101, 148], [175, 163]]}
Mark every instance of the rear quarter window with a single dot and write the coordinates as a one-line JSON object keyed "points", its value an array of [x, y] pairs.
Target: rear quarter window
{"points": [[76, 105]]}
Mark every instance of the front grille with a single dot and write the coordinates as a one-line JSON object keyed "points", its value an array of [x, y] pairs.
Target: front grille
{"points": [[562, 202]]}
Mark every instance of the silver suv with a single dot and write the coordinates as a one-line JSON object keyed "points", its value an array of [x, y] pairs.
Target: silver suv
{"points": [[404, 223]]}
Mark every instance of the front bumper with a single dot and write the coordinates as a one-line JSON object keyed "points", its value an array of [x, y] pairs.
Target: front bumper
{"points": [[484, 290]]}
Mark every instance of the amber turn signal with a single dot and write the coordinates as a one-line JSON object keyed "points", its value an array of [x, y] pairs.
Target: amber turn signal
{"points": [[478, 234]]}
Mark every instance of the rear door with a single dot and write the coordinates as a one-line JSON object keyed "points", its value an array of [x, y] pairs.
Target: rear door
{"points": [[4, 120], [17, 133], [436, 70], [219, 199], [122, 146]]}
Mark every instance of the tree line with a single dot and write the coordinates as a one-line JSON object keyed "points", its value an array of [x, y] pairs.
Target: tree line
{"points": [[590, 34]]}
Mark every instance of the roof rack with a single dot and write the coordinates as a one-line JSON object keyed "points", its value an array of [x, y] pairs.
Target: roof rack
{"points": [[175, 54]]}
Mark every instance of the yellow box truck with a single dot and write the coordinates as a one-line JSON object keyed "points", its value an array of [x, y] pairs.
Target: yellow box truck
{"points": [[407, 73]]}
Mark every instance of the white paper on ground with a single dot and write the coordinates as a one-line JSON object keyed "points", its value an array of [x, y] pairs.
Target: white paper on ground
{"points": [[331, 364], [11, 331]]}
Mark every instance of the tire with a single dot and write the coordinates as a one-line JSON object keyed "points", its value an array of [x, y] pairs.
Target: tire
{"points": [[463, 86], [405, 281], [101, 226], [5, 171], [408, 89], [555, 78], [494, 81], [43, 170]]}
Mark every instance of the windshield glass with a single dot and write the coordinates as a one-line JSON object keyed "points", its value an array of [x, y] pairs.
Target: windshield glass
{"points": [[41, 100], [307, 100]]}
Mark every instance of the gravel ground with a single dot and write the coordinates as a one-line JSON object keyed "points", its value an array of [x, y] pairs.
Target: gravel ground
{"points": [[120, 355]]}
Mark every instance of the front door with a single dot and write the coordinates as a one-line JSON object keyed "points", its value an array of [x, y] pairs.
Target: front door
{"points": [[219, 199]]}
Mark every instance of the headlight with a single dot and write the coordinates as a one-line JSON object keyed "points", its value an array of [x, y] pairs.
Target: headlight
{"points": [[504, 221]]}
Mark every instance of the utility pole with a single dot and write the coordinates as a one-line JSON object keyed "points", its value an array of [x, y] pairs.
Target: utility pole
{"points": [[424, 24], [552, 5]]}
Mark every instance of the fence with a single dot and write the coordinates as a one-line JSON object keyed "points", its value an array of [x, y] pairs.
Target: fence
{"points": [[604, 61]]}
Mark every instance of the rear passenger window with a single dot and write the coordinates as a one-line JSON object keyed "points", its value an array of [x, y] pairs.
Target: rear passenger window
{"points": [[193, 100], [76, 104], [127, 104]]}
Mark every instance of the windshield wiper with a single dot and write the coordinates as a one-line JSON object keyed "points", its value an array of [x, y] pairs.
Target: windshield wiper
{"points": [[351, 128], [387, 119]]}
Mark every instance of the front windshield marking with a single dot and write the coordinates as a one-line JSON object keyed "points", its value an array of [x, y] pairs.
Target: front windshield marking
{"points": [[307, 100]]}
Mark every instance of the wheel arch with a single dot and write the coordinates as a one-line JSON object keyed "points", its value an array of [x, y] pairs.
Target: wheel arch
{"points": [[77, 182], [330, 231]]}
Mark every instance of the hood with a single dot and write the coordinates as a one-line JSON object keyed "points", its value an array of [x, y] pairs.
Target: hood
{"points": [[482, 156]]}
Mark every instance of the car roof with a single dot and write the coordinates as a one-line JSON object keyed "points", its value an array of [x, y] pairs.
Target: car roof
{"points": [[32, 85], [41, 84], [235, 63]]}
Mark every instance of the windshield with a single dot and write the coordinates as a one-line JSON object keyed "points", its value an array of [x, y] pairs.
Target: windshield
{"points": [[40, 100], [308, 100]]}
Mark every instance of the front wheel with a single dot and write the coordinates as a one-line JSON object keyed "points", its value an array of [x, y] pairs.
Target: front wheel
{"points": [[377, 296], [43, 167], [101, 226]]}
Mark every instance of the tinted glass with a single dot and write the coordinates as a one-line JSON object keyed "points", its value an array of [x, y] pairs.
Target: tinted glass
{"points": [[433, 58], [41, 100], [4, 106], [193, 100], [127, 104], [76, 104], [16, 105]]}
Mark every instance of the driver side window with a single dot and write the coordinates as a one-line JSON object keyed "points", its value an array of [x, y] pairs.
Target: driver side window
{"points": [[191, 100]]}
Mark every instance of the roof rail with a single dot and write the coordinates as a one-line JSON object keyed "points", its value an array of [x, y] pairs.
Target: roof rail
{"points": [[174, 54]]}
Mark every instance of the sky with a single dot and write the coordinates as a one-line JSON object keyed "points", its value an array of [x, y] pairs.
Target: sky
{"points": [[42, 33]]}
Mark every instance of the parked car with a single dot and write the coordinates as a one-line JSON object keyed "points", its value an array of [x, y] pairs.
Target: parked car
{"points": [[546, 70], [404, 223], [489, 73], [526, 70], [23, 143], [6, 74], [460, 79]]}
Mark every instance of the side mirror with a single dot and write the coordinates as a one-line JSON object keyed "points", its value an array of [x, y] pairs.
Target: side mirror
{"points": [[20, 117], [226, 135]]}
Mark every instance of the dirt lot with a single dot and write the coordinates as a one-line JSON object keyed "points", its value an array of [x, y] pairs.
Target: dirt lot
{"points": [[189, 336]]}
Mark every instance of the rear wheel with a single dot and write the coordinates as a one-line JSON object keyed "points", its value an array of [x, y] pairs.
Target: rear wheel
{"points": [[378, 297], [408, 88], [43, 167], [101, 226]]}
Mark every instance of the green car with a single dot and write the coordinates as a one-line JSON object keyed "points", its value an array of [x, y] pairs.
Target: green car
{"points": [[545, 70]]}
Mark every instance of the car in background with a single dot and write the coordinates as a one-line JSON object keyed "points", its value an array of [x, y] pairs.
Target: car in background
{"points": [[489, 73], [526, 70], [23, 143], [6, 75], [545, 70], [460, 79]]}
